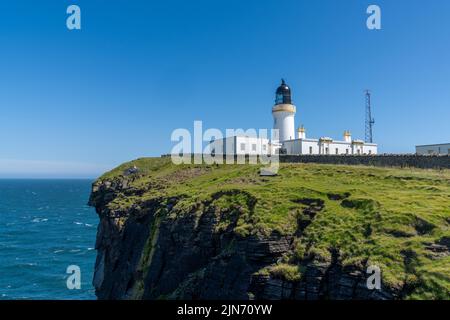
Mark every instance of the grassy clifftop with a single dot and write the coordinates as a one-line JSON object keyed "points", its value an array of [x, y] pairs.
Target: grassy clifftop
{"points": [[397, 219]]}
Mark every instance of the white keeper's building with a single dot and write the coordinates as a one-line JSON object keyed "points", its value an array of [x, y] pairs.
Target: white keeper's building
{"points": [[434, 149], [290, 141]]}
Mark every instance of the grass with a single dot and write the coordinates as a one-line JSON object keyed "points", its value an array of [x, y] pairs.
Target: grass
{"points": [[382, 216], [285, 271]]}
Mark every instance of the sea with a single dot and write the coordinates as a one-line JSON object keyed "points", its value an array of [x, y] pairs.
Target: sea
{"points": [[46, 227]]}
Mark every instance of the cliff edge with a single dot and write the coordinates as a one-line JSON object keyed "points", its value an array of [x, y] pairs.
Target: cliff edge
{"points": [[224, 232]]}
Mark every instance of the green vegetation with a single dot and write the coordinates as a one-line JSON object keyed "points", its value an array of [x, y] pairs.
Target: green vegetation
{"points": [[284, 271], [389, 217]]}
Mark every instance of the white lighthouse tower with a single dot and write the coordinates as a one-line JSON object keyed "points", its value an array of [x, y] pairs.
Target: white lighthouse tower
{"points": [[283, 113]]}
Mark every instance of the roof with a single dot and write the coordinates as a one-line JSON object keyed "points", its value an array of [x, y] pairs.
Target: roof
{"points": [[433, 145], [334, 141]]}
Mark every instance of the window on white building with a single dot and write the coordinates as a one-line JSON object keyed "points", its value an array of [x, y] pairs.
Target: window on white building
{"points": [[359, 151], [370, 151], [310, 150], [254, 147], [242, 146], [346, 151], [337, 151], [327, 150], [264, 147]]}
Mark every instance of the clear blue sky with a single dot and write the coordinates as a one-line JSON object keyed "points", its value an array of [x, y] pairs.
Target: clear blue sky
{"points": [[75, 103]]}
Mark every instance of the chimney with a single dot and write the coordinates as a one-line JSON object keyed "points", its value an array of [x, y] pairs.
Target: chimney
{"points": [[301, 132], [347, 136]]}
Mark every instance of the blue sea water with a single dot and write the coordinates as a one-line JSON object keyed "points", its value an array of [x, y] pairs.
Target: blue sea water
{"points": [[45, 226]]}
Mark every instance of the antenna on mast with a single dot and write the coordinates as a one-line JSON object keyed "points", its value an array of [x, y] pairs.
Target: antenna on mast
{"points": [[369, 120]]}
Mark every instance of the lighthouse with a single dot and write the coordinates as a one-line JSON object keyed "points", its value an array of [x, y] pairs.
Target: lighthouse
{"points": [[283, 113], [287, 140]]}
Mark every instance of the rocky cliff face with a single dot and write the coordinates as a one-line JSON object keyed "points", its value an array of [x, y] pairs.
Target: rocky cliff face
{"points": [[155, 250]]}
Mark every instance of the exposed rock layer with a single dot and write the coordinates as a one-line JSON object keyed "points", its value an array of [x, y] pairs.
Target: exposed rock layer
{"points": [[151, 252]]}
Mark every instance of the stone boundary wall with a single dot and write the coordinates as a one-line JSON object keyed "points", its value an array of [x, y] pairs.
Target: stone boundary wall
{"points": [[381, 160], [387, 160]]}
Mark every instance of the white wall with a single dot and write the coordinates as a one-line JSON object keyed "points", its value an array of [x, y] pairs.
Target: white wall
{"points": [[342, 148], [357, 149], [240, 145], [275, 148], [370, 149], [252, 145], [243, 145], [314, 146], [220, 146], [310, 145]]}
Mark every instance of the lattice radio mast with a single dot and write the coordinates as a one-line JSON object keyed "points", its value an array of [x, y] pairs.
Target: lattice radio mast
{"points": [[369, 120]]}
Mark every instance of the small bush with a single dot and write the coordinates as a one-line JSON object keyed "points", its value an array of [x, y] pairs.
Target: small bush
{"points": [[286, 272]]}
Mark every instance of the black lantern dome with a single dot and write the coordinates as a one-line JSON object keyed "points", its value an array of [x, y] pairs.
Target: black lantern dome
{"points": [[283, 94]]}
